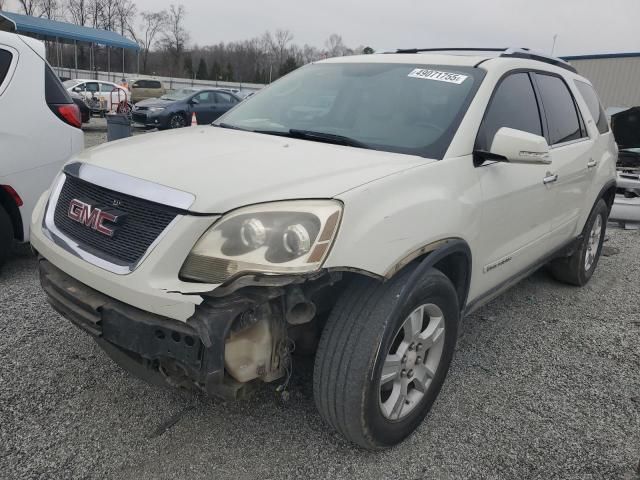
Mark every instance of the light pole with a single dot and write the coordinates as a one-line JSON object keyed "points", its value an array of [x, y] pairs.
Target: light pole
{"points": [[553, 47]]}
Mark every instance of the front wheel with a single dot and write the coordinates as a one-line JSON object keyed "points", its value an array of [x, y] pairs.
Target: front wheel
{"points": [[579, 267], [177, 120], [380, 364]]}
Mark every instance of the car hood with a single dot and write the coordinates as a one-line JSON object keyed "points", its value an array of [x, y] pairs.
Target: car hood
{"points": [[226, 169], [154, 102]]}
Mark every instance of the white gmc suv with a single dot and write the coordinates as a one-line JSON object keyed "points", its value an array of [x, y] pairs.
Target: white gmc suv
{"points": [[357, 208]]}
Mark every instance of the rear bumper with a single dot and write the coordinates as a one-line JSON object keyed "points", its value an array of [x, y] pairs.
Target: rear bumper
{"points": [[158, 349]]}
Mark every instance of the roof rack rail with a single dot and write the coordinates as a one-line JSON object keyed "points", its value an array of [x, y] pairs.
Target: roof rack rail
{"points": [[524, 53]]}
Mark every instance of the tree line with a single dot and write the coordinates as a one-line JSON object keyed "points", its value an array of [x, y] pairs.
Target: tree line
{"points": [[166, 48]]}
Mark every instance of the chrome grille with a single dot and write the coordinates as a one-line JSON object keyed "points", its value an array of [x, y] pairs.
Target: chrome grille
{"points": [[144, 222]]}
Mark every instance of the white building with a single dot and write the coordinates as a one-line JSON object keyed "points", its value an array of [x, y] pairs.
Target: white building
{"points": [[616, 76]]}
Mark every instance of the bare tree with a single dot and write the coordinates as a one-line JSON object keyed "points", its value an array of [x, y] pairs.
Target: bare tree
{"points": [[94, 7], [78, 11], [153, 25], [127, 12], [335, 46], [29, 7], [49, 9], [282, 39], [175, 36]]}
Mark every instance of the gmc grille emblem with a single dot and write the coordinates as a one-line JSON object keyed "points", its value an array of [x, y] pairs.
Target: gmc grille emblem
{"points": [[102, 220]]}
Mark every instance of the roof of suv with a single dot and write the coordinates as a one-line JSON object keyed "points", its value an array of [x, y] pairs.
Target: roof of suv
{"points": [[467, 57]]}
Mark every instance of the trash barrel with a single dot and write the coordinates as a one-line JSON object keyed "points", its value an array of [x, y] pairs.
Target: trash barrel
{"points": [[118, 126]]}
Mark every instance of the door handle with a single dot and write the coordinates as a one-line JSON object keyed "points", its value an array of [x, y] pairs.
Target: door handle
{"points": [[550, 178], [592, 163]]}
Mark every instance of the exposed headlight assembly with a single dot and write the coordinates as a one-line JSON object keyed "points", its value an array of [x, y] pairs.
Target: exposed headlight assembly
{"points": [[156, 109], [271, 238]]}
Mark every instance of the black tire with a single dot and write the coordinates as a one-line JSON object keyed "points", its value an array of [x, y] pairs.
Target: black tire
{"points": [[6, 236], [348, 365], [572, 270], [177, 120]]}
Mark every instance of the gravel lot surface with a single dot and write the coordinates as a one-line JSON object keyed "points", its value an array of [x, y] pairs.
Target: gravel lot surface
{"points": [[545, 384]]}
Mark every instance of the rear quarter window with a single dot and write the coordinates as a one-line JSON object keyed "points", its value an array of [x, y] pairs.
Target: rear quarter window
{"points": [[152, 84], [54, 91], [593, 103], [5, 62]]}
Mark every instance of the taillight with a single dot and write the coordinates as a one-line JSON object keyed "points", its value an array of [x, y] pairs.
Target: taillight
{"points": [[68, 113], [13, 194]]}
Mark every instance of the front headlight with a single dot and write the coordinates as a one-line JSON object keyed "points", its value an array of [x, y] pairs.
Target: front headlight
{"points": [[272, 238], [156, 109]]}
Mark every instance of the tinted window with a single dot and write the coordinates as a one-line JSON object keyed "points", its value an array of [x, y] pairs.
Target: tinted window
{"points": [[138, 84], [5, 63], [205, 97], [514, 106], [591, 99], [153, 84], [91, 87], [560, 110], [54, 91], [224, 98]]}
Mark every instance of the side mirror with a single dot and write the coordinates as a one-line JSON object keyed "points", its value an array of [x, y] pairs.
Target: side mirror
{"points": [[194, 101], [516, 146], [76, 89]]}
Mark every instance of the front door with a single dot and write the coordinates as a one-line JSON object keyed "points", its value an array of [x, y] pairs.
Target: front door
{"points": [[203, 104], [516, 220]]}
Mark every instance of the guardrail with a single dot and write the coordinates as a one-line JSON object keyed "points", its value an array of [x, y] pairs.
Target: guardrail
{"points": [[170, 83]]}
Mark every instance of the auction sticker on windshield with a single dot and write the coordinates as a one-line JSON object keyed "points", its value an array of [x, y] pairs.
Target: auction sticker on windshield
{"points": [[437, 75]]}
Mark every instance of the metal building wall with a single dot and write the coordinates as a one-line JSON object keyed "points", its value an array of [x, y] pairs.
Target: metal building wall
{"points": [[617, 80]]}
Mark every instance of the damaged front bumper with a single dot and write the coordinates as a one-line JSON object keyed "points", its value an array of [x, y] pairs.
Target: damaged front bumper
{"points": [[626, 208], [190, 354]]}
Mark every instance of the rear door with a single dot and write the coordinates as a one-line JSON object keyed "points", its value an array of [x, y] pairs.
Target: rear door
{"points": [[515, 214], [224, 103], [570, 155]]}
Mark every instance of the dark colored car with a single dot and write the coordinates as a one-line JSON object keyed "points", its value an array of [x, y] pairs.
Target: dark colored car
{"points": [[85, 111], [174, 110]]}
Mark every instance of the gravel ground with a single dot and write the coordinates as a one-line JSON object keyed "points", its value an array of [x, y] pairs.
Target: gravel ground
{"points": [[545, 384]]}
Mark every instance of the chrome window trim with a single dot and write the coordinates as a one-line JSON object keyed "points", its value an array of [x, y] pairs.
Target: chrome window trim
{"points": [[570, 142], [136, 187], [63, 241]]}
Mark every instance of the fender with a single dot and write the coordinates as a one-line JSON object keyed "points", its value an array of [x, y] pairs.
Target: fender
{"points": [[445, 248]]}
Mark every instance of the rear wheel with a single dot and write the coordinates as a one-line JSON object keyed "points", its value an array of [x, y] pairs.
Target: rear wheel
{"points": [[579, 267], [6, 236], [380, 365]]}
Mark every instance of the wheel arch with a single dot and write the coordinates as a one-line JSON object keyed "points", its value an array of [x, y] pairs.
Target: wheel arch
{"points": [[9, 205], [450, 256]]}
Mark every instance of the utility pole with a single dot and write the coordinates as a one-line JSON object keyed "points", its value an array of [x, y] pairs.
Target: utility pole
{"points": [[553, 47]]}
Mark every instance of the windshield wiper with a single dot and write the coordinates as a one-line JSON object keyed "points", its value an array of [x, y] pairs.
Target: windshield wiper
{"points": [[327, 137], [231, 127]]}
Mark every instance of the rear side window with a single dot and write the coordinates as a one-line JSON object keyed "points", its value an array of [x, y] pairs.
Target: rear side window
{"points": [[224, 98], [54, 91], [514, 106], [593, 103], [560, 110], [153, 84], [5, 63]]}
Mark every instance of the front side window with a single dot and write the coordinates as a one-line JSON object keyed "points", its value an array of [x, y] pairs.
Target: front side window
{"points": [[593, 103], [514, 106], [92, 87], [560, 109], [225, 98], [5, 62], [413, 109], [204, 98]]}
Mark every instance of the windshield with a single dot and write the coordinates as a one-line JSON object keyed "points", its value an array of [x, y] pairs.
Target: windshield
{"points": [[70, 83], [181, 94], [401, 108]]}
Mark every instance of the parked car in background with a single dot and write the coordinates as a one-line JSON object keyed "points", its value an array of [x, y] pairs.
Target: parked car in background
{"points": [[145, 89], [85, 111], [174, 110], [34, 142], [363, 228], [99, 94], [626, 128]]}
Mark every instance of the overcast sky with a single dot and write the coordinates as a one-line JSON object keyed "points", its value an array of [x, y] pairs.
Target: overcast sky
{"points": [[583, 26]]}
